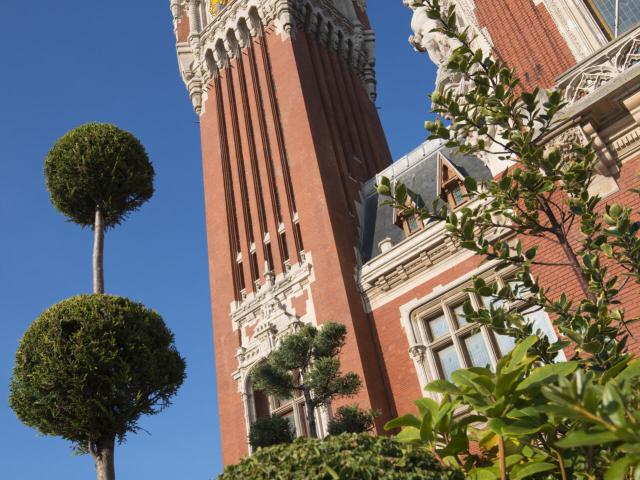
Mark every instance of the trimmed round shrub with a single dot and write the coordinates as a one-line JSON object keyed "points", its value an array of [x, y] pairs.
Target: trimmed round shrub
{"points": [[352, 419], [89, 367], [268, 431], [98, 166], [346, 457]]}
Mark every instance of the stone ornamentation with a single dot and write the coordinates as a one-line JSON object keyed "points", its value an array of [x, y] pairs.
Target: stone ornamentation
{"points": [[619, 57], [232, 23]]}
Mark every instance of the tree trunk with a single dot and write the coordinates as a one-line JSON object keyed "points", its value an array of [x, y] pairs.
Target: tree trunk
{"points": [[502, 458], [311, 414], [104, 459], [98, 252]]}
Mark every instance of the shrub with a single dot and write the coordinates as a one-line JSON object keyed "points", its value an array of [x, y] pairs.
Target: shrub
{"points": [[89, 367], [268, 431], [352, 419], [98, 166], [347, 457]]}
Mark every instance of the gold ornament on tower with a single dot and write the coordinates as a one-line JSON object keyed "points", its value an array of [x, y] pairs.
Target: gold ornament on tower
{"points": [[217, 5]]}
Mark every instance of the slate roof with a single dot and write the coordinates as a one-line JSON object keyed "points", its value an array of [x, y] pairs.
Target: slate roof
{"points": [[419, 172]]}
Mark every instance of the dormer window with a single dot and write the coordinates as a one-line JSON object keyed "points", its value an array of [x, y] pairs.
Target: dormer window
{"points": [[452, 189], [409, 221], [615, 17]]}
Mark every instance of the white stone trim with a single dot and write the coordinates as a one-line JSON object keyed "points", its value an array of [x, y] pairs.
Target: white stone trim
{"points": [[230, 31], [577, 26]]}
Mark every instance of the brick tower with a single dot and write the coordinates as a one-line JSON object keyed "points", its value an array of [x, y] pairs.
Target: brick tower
{"points": [[284, 90]]}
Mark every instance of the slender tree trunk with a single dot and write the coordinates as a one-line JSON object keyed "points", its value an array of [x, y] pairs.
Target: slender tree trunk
{"points": [[311, 414], [104, 459], [502, 458], [98, 252]]}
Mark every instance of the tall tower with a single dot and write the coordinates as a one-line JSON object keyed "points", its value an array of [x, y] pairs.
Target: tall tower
{"points": [[285, 92]]}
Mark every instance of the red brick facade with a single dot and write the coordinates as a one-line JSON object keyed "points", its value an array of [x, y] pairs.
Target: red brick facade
{"points": [[525, 36], [289, 136]]}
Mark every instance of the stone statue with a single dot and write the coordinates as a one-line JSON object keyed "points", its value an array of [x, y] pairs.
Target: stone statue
{"points": [[437, 45]]}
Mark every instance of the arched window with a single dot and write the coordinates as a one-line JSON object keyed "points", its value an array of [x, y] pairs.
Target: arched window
{"points": [[293, 409]]}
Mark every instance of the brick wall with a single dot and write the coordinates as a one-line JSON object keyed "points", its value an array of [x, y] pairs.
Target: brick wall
{"points": [[399, 367], [525, 36]]}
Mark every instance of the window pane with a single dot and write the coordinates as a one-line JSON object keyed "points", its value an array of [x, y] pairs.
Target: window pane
{"points": [[292, 420], [449, 361], [629, 13], [505, 344], [478, 351], [439, 327], [458, 312], [517, 287], [541, 322], [458, 196], [412, 222]]}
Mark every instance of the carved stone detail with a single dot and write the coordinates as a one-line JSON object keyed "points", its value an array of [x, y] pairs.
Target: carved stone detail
{"points": [[620, 56], [438, 46], [224, 36]]}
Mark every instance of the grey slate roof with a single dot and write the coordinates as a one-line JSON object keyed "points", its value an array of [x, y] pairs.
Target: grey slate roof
{"points": [[419, 172]]}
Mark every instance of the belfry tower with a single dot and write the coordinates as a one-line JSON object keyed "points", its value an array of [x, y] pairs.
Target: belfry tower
{"points": [[285, 92]]}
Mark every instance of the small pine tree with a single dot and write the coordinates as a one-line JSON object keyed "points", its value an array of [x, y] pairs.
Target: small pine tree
{"points": [[268, 431], [306, 363]]}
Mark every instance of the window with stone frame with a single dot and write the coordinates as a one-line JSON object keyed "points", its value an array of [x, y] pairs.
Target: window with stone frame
{"points": [[451, 186], [451, 343], [293, 409], [604, 11]]}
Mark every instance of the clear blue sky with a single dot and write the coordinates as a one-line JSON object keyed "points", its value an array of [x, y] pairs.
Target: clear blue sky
{"points": [[69, 62]]}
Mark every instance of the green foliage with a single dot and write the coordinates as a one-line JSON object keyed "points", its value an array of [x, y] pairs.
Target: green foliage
{"points": [[352, 419], [98, 166], [306, 361], [268, 431], [344, 457], [89, 367], [540, 419]]}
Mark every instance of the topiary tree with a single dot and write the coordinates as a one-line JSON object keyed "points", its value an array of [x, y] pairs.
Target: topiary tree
{"points": [[347, 457], [268, 431], [306, 362], [89, 367], [97, 174], [352, 419]]}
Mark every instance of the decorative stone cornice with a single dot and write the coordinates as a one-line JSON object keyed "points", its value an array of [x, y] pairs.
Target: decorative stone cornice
{"points": [[213, 41], [601, 68]]}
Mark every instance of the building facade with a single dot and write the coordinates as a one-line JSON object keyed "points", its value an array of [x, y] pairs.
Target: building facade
{"points": [[292, 149]]}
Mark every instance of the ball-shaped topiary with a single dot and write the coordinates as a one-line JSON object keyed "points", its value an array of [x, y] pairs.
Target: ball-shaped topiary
{"points": [[89, 367], [98, 166], [347, 457]]}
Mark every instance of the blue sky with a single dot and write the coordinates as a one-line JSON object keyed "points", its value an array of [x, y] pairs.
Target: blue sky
{"points": [[69, 62]]}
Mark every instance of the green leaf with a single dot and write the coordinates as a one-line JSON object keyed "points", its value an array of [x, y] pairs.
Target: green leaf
{"points": [[618, 469], [531, 469], [582, 438], [443, 387], [407, 420], [471, 184], [543, 374]]}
